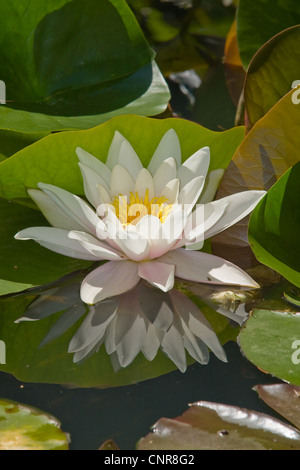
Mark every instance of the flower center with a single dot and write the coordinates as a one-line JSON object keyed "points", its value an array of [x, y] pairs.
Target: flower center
{"points": [[130, 212]]}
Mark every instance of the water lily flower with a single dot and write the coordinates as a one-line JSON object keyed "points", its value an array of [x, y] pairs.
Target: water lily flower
{"points": [[146, 223]]}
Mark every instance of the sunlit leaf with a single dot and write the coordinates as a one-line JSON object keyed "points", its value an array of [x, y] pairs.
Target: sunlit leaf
{"points": [[274, 227], [271, 340], [284, 399], [26, 428], [53, 159], [272, 72], [214, 426]]}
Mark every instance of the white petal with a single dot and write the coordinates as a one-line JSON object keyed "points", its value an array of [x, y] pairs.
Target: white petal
{"points": [[169, 146], [114, 150], [239, 205], [134, 246], [158, 274], [212, 182], [171, 231], [56, 216], [200, 221], [190, 193], [144, 181], [94, 325], [95, 164], [171, 191], [91, 180], [112, 278], [97, 248], [57, 240], [149, 227], [202, 267], [75, 207], [196, 165], [129, 159], [121, 182], [166, 171]]}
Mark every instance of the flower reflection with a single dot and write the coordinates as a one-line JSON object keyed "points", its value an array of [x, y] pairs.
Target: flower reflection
{"points": [[143, 319]]}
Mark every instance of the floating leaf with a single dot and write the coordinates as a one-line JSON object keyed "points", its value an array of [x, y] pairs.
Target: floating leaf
{"points": [[283, 398], [214, 426], [274, 227], [272, 72], [26, 428], [53, 159], [24, 268], [74, 65], [271, 341]]}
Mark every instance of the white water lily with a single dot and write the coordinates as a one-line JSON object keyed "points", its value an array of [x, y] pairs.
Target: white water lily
{"points": [[147, 223]]}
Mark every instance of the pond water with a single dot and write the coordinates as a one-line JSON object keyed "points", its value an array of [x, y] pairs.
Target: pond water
{"points": [[125, 414]]}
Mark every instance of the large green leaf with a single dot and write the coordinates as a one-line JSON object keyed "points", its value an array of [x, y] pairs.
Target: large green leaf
{"points": [[271, 341], [65, 63], [25, 428], [53, 159], [11, 141], [272, 72], [214, 426], [274, 228], [259, 21]]}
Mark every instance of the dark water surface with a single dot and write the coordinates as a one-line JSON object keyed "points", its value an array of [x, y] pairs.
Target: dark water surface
{"points": [[125, 414]]}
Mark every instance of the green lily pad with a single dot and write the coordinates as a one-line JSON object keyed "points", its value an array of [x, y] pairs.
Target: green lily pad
{"points": [[214, 426], [284, 399], [24, 268], [74, 65], [271, 341], [274, 227], [53, 159], [26, 428], [272, 72], [259, 21]]}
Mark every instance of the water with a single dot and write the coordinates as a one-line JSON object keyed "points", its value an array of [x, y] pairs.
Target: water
{"points": [[125, 414]]}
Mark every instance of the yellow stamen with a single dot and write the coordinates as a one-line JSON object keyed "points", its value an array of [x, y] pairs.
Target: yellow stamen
{"points": [[139, 206]]}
